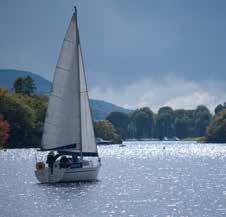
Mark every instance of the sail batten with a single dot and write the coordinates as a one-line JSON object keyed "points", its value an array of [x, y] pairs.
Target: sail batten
{"points": [[67, 70], [68, 119], [69, 41]]}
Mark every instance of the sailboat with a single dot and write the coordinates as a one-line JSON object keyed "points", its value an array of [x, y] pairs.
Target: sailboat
{"points": [[68, 134]]}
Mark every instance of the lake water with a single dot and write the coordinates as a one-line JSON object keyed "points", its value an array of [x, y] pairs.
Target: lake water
{"points": [[141, 179]]}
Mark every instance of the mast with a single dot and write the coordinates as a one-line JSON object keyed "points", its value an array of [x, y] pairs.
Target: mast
{"points": [[79, 86]]}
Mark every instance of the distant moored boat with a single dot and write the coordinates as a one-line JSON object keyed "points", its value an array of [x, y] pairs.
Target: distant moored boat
{"points": [[101, 141], [171, 139]]}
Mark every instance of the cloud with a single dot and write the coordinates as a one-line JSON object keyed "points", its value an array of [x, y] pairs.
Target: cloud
{"points": [[194, 99], [168, 91]]}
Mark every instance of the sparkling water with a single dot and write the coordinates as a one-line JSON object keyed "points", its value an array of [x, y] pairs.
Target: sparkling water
{"points": [[141, 179]]}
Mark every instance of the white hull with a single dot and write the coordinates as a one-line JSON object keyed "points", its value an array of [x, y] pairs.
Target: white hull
{"points": [[80, 174], [87, 173]]}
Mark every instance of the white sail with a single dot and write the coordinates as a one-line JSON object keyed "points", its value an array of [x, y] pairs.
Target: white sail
{"points": [[62, 124], [68, 120], [88, 137]]}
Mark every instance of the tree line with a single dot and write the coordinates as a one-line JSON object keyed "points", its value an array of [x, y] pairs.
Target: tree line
{"points": [[22, 114], [184, 124]]}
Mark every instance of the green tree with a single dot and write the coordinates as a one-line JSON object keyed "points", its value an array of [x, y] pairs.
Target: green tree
{"points": [[24, 85], [4, 131], [165, 123], [181, 123], [216, 132], [202, 117], [141, 124], [22, 120], [184, 123], [18, 85], [105, 130], [120, 122], [38, 105], [219, 108]]}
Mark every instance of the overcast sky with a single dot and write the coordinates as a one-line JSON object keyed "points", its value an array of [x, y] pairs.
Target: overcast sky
{"points": [[136, 52]]}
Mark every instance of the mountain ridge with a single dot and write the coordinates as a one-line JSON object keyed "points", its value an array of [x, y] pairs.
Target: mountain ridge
{"points": [[100, 108]]}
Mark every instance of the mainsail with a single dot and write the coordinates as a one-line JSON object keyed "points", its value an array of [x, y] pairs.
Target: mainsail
{"points": [[68, 121]]}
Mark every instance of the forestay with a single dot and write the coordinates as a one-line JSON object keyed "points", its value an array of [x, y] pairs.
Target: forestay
{"points": [[68, 120]]}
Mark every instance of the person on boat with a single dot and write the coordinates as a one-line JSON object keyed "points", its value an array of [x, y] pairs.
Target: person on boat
{"points": [[75, 159], [77, 163], [65, 162], [50, 160]]}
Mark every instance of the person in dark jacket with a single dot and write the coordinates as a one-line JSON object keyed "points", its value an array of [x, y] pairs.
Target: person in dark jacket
{"points": [[51, 158], [65, 162]]}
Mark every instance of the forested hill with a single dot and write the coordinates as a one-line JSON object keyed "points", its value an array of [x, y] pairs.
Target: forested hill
{"points": [[100, 109], [8, 76]]}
